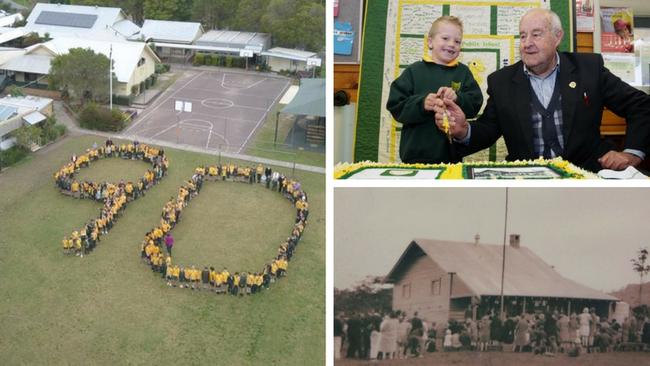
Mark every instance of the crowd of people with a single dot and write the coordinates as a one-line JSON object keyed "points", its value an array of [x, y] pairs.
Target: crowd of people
{"points": [[394, 335], [208, 278], [114, 196]]}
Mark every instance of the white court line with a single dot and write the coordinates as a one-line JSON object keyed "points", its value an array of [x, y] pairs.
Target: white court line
{"points": [[262, 118], [165, 100], [219, 94], [225, 118], [223, 82], [165, 130]]}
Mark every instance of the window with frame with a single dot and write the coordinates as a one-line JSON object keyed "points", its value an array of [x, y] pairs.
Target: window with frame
{"points": [[406, 291], [435, 287]]}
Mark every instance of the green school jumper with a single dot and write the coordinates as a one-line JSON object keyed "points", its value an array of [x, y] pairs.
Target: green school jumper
{"points": [[421, 141]]}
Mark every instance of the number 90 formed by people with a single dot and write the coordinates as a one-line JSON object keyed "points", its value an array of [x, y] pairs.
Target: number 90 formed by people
{"points": [[156, 247]]}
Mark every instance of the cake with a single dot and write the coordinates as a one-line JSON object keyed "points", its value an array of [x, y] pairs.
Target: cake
{"points": [[529, 169]]}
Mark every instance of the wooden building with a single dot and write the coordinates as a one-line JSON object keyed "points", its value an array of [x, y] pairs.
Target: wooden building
{"points": [[444, 280]]}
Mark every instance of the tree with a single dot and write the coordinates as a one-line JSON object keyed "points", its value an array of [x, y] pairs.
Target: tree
{"points": [[82, 73], [214, 13], [161, 9], [26, 136], [640, 265], [248, 16], [296, 23]]}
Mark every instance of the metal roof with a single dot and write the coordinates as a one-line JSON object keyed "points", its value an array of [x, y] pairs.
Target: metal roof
{"points": [[234, 39], [35, 64], [60, 20], [290, 54], [34, 118], [310, 99], [171, 31], [66, 19], [478, 266]]}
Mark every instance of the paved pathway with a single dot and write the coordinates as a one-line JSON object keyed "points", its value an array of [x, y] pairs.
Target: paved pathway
{"points": [[74, 130]]}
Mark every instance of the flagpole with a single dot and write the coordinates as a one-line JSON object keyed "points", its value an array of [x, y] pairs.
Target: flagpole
{"points": [[110, 77], [503, 258]]}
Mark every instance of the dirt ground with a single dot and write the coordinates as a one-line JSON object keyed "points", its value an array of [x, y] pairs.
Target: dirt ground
{"points": [[513, 359]]}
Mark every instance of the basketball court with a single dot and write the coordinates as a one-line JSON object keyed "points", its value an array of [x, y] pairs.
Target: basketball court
{"points": [[226, 110]]}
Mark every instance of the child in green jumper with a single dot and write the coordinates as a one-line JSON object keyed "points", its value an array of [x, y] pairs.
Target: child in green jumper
{"points": [[413, 94]]}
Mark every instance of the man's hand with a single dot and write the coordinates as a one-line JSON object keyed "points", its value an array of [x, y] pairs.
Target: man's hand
{"points": [[446, 92], [618, 160], [458, 126], [430, 101]]}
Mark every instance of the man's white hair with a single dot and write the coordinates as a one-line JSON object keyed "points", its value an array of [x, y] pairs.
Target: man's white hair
{"points": [[554, 22]]}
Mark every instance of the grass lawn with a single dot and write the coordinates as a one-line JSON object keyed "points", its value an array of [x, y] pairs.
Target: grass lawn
{"points": [[109, 308], [263, 146]]}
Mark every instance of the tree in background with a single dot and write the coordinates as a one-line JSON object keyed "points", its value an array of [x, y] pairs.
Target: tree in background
{"points": [[370, 294], [82, 73], [248, 16], [641, 266], [296, 23], [214, 14], [161, 9]]}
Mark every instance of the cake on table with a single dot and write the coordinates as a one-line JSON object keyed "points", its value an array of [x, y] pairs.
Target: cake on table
{"points": [[529, 169]]}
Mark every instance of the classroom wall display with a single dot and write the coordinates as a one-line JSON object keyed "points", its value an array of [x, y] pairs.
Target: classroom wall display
{"points": [[348, 18], [397, 38]]}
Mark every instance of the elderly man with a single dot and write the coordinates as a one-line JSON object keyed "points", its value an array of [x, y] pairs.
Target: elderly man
{"points": [[550, 104]]}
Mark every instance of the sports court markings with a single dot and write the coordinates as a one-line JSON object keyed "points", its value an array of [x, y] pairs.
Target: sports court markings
{"points": [[224, 97]]}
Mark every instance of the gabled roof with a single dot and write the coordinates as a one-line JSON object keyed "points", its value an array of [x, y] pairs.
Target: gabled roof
{"points": [[478, 266], [61, 20], [126, 55], [171, 31], [9, 20]]}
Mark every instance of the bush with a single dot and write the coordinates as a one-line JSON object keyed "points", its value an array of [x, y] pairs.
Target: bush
{"points": [[147, 83], [228, 61], [100, 118], [12, 155], [125, 100], [207, 60], [199, 59], [162, 68]]}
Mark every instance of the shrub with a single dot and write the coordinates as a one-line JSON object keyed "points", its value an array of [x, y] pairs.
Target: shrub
{"points": [[12, 155], [147, 83], [162, 68], [100, 118], [228, 61], [207, 59], [125, 100], [199, 59]]}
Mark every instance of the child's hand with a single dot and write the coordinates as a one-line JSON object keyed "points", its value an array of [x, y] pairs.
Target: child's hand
{"points": [[447, 93], [430, 102]]}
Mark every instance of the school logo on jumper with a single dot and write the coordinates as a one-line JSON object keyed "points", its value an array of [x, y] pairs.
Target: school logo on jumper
{"points": [[455, 85]]}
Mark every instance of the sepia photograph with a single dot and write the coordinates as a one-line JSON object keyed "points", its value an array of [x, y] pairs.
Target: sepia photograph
{"points": [[491, 276]]}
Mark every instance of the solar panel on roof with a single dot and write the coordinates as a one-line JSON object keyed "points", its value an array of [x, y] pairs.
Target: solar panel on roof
{"points": [[66, 19]]}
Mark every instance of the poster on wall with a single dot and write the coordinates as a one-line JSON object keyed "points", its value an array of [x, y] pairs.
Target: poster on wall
{"points": [[584, 16], [617, 26]]}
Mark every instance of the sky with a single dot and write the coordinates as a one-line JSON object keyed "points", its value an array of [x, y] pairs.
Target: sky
{"points": [[589, 235]]}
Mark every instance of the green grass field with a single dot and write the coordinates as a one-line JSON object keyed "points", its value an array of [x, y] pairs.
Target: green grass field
{"points": [[263, 146], [109, 308]]}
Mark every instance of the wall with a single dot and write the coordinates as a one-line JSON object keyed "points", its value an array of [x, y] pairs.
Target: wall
{"points": [[420, 275]]}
